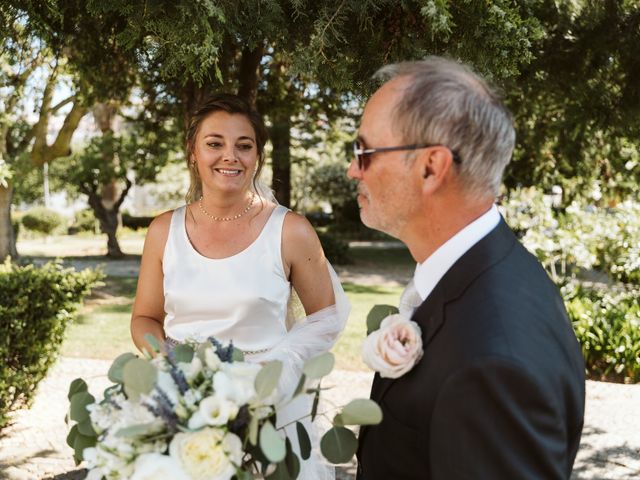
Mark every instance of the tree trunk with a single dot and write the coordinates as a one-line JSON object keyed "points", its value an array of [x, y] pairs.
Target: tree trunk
{"points": [[7, 238], [106, 204], [249, 73], [281, 141]]}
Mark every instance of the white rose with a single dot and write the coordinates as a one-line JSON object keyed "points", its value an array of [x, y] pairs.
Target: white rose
{"points": [[155, 466], [394, 348], [207, 454], [216, 410], [235, 381]]}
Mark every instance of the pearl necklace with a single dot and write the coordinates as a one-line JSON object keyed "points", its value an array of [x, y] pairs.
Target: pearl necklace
{"points": [[227, 219]]}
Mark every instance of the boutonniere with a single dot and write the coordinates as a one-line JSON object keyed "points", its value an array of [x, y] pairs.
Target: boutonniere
{"points": [[393, 344]]}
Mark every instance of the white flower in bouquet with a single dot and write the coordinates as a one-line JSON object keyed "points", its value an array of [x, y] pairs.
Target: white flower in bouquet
{"points": [[166, 383], [155, 466], [235, 381], [191, 369], [208, 454], [218, 411]]}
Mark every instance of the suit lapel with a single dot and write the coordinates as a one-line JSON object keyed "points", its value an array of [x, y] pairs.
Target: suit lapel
{"points": [[430, 314]]}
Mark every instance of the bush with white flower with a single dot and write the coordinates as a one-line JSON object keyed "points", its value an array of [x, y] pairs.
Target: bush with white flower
{"points": [[199, 411]]}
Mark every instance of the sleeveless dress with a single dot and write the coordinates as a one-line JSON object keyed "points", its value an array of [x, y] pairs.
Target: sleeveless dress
{"points": [[243, 298]]}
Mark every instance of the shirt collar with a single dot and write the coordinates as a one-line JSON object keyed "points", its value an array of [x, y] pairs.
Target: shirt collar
{"points": [[429, 272]]}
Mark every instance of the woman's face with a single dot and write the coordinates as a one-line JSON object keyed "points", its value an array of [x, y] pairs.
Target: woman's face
{"points": [[225, 152]]}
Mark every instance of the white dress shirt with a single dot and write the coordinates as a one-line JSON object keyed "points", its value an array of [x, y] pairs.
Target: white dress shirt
{"points": [[429, 272]]}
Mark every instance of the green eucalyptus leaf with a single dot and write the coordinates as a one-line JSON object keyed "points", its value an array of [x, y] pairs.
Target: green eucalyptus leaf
{"points": [[267, 378], [319, 366], [77, 386], [280, 473], [139, 430], [271, 443], [377, 314], [361, 411], [300, 387], [86, 429], [80, 443], [115, 372], [139, 377], [243, 475], [183, 353], [153, 342], [314, 406], [304, 440], [237, 355], [338, 445], [291, 460], [78, 409], [71, 436]]}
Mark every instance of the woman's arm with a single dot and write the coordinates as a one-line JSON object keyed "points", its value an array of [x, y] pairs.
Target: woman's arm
{"points": [[305, 264], [148, 308]]}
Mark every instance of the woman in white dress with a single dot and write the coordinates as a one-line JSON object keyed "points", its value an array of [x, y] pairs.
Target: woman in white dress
{"points": [[224, 264]]}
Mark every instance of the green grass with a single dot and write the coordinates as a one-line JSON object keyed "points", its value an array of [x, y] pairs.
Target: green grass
{"points": [[347, 350], [102, 328]]}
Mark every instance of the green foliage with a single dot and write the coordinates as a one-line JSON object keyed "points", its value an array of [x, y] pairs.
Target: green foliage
{"points": [[584, 235], [576, 104], [84, 221], [335, 249], [607, 325], [36, 305], [42, 220], [330, 183]]}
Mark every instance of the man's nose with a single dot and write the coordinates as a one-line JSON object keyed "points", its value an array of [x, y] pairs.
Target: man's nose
{"points": [[353, 171]]}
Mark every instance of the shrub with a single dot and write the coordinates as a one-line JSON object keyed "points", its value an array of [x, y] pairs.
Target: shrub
{"points": [[42, 220], [335, 249], [36, 305], [329, 182], [84, 221], [607, 325], [582, 235]]}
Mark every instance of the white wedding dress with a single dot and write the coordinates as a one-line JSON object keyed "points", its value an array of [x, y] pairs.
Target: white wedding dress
{"points": [[245, 298]]}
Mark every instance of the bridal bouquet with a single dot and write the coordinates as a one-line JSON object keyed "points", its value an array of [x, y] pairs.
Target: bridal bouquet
{"points": [[200, 411]]}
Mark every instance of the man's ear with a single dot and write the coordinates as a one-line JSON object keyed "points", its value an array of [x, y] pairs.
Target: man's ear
{"points": [[435, 165]]}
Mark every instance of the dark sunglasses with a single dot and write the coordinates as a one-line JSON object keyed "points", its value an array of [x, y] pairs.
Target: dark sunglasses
{"points": [[363, 155]]}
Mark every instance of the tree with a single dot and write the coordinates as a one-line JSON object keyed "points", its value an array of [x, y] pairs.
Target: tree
{"points": [[577, 104], [20, 56]]}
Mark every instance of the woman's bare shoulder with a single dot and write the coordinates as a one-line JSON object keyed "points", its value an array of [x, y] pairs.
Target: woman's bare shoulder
{"points": [[159, 231]]}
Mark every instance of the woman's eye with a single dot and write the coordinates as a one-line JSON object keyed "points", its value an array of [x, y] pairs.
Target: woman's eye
{"points": [[214, 144], [245, 146]]}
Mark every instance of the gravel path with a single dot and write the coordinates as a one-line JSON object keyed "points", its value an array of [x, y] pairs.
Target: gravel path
{"points": [[34, 447]]}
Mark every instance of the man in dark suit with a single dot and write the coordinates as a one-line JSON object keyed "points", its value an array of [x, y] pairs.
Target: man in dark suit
{"points": [[499, 392]]}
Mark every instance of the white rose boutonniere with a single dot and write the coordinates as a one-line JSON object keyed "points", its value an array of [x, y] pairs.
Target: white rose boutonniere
{"points": [[394, 348]]}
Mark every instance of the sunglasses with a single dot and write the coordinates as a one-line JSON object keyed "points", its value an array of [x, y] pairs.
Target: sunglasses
{"points": [[363, 155]]}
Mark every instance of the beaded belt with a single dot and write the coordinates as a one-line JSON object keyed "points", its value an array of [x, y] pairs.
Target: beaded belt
{"points": [[172, 343]]}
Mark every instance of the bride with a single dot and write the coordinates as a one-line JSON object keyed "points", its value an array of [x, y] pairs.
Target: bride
{"points": [[225, 264]]}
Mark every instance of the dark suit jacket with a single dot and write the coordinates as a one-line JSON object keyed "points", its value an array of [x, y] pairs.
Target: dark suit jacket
{"points": [[499, 392]]}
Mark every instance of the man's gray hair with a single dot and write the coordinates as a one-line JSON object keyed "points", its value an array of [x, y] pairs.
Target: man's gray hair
{"points": [[447, 103]]}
